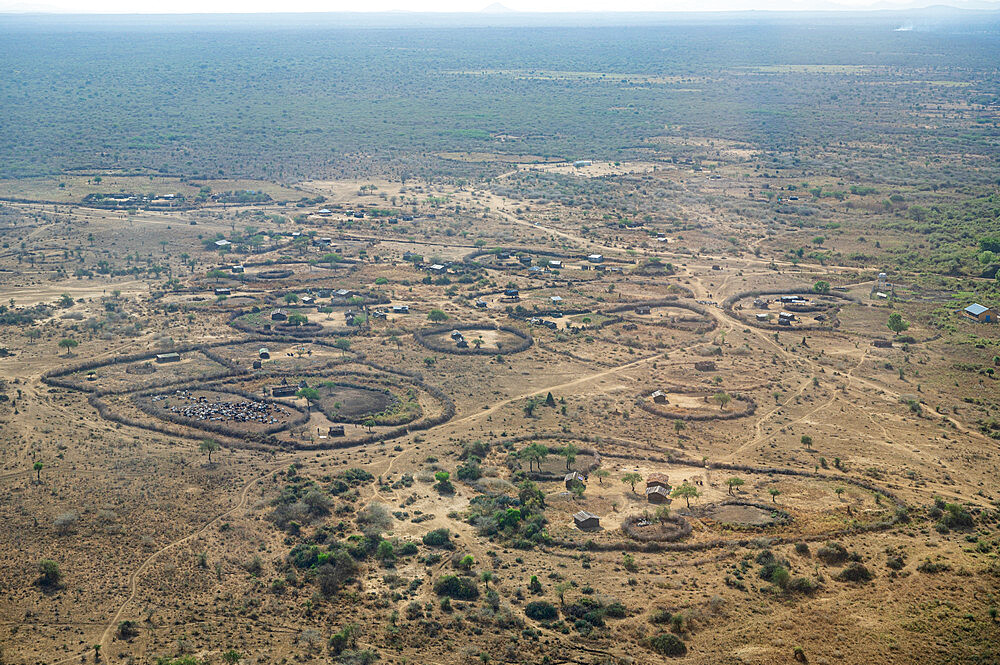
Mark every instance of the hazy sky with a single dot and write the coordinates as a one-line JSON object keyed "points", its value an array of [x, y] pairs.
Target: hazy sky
{"points": [[238, 6]]}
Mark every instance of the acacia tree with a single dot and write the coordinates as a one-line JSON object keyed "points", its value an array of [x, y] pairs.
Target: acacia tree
{"points": [[311, 395], [343, 344], [734, 483], [569, 452], [561, 590], [601, 475], [723, 398], [209, 446], [687, 491], [38, 466], [535, 452], [69, 344], [631, 479], [774, 492]]}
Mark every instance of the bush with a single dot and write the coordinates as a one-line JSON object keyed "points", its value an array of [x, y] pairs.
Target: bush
{"points": [[668, 644], [343, 639], [438, 538], [802, 549], [801, 585], [660, 617], [956, 517], [540, 610], [51, 576], [932, 567], [832, 553], [854, 572], [64, 523], [127, 630], [459, 588]]}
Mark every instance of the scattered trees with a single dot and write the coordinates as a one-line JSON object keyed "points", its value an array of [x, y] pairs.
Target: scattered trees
{"points": [[69, 344]]}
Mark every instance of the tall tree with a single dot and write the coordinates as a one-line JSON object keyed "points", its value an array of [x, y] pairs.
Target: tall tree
{"points": [[631, 479], [896, 323], [687, 491], [209, 446]]}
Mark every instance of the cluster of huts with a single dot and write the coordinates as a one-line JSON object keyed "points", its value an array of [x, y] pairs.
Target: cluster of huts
{"points": [[459, 339], [657, 492], [657, 488]]}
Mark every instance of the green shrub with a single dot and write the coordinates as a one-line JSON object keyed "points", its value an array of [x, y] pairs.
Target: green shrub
{"points": [[801, 585], [854, 572], [438, 538], [659, 617], [668, 644], [956, 517], [459, 588], [539, 610], [51, 576]]}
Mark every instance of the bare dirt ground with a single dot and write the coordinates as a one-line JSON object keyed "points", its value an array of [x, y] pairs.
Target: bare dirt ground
{"points": [[885, 451]]}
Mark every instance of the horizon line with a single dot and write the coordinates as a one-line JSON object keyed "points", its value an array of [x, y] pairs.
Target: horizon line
{"points": [[841, 9]]}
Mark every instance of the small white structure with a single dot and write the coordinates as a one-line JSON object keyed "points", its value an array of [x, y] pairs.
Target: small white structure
{"points": [[596, 258], [580, 163]]}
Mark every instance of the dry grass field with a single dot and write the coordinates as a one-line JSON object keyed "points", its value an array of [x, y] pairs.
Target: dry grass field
{"points": [[824, 500]]}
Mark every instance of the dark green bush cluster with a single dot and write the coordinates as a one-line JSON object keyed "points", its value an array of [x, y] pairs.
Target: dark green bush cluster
{"points": [[854, 572], [518, 521], [540, 610], [668, 644], [438, 538], [459, 588]]}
